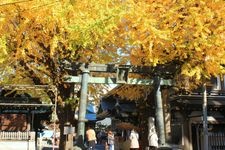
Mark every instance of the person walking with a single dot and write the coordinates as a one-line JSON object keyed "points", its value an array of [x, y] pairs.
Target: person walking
{"points": [[111, 140], [91, 138], [153, 139], [134, 137], [152, 135]]}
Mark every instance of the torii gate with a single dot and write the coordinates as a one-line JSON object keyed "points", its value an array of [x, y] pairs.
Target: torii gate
{"points": [[121, 78]]}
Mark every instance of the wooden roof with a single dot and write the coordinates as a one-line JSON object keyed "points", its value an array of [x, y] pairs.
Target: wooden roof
{"points": [[23, 105], [193, 102]]}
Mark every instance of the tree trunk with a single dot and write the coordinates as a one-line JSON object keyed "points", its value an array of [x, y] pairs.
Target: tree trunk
{"points": [[66, 117]]}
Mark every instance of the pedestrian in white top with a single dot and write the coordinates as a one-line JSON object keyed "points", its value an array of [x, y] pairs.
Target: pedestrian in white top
{"points": [[152, 135], [134, 137], [153, 139]]}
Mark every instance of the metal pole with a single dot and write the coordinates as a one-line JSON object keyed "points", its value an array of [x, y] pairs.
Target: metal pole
{"points": [[205, 121], [55, 114], [83, 104], [159, 112]]}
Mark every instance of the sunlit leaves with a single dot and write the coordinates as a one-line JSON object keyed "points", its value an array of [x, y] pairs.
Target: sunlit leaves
{"points": [[132, 93], [93, 23], [3, 49], [147, 32], [190, 32], [80, 27]]}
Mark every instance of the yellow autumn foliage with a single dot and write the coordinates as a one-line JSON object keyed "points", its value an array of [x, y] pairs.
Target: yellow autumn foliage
{"points": [[146, 32], [3, 49], [190, 32], [131, 92]]}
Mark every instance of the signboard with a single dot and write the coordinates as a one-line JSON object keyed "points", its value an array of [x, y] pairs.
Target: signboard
{"points": [[69, 130]]}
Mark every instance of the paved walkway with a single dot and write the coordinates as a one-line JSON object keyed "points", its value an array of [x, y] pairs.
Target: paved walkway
{"points": [[99, 147], [17, 145]]}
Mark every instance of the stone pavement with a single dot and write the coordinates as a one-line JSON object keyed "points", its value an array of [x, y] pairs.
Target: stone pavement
{"points": [[17, 145], [99, 147], [23, 145]]}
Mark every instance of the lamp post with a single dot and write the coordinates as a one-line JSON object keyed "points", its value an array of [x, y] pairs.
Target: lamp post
{"points": [[55, 114], [205, 121]]}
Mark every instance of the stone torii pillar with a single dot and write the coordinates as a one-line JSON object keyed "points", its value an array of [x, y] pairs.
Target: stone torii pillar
{"points": [[83, 103], [159, 112]]}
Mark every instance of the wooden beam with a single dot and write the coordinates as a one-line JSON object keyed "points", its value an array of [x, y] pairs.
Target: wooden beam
{"points": [[27, 87], [17, 105]]}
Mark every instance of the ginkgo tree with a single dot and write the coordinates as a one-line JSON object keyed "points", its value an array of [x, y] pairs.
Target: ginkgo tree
{"points": [[37, 36], [189, 32]]}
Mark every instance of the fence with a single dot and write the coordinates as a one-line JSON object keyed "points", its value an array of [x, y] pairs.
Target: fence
{"points": [[216, 141], [17, 135]]}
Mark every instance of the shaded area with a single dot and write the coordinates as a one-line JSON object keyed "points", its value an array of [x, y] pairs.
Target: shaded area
{"points": [[114, 107]]}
